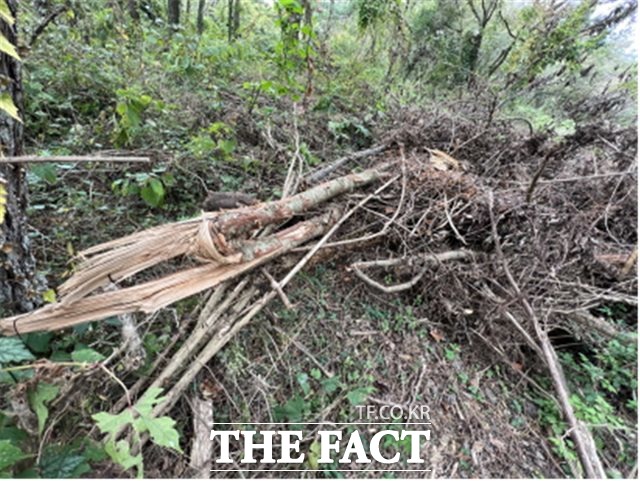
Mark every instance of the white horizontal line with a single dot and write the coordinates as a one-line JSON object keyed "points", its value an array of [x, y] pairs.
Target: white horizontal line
{"points": [[322, 470], [325, 423]]}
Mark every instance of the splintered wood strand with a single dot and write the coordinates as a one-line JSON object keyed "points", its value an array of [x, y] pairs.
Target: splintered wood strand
{"points": [[153, 295], [122, 258]]}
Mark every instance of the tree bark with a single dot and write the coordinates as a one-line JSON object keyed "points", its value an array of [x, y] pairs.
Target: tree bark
{"points": [[200, 18], [233, 19], [236, 19], [17, 265], [134, 12], [173, 12]]}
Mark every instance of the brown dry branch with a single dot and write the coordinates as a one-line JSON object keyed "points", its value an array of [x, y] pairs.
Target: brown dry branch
{"points": [[407, 261], [585, 445], [23, 159], [323, 172], [201, 446]]}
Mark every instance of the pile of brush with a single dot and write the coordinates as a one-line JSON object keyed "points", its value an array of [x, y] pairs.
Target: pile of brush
{"points": [[509, 233]]}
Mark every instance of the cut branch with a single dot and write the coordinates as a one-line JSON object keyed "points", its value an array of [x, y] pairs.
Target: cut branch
{"points": [[323, 172], [23, 159]]}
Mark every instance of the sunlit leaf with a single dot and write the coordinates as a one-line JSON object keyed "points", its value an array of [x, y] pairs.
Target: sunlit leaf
{"points": [[7, 105], [8, 48], [5, 13]]}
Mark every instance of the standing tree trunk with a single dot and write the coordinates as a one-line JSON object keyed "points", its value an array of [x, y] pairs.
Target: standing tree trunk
{"points": [[17, 265], [173, 12], [236, 19], [134, 12], [200, 18], [233, 19]]}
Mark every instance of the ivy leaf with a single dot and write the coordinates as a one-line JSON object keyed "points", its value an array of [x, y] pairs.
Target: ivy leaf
{"points": [[161, 430], [112, 423], [43, 393], [12, 349], [9, 454], [6, 102]]}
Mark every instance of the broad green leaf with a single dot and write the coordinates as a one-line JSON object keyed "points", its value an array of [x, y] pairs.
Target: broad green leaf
{"points": [[6, 102], [9, 454], [12, 349], [46, 172], [86, 355], [157, 187], [60, 462], [121, 453], [42, 394], [161, 430], [8, 48], [5, 12], [145, 404], [112, 423], [39, 342], [153, 192]]}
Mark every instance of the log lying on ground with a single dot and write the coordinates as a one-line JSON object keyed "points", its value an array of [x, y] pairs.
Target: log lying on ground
{"points": [[204, 237], [153, 295]]}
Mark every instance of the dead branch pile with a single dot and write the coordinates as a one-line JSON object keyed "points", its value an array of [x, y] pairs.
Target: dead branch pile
{"points": [[505, 234]]}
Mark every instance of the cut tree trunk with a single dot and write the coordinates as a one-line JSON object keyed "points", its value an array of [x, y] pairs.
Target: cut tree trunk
{"points": [[17, 265]]}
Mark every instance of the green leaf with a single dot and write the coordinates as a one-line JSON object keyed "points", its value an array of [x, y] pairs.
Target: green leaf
{"points": [[161, 430], [9, 454], [359, 395], [43, 393], [121, 453], [49, 296], [6, 101], [5, 12], [39, 342], [46, 172], [86, 355], [59, 462], [153, 192], [8, 48], [112, 423], [145, 404], [12, 349], [314, 454], [331, 384]]}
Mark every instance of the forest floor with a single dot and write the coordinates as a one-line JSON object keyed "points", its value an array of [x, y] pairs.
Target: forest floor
{"points": [[342, 344]]}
